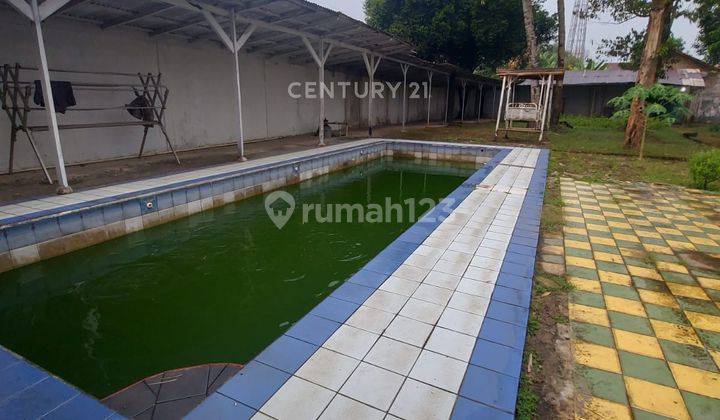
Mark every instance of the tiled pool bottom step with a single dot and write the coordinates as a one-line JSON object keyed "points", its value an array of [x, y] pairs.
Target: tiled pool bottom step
{"points": [[172, 394], [40, 229], [434, 327]]}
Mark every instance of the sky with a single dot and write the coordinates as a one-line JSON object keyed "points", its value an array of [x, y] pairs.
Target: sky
{"points": [[597, 29]]}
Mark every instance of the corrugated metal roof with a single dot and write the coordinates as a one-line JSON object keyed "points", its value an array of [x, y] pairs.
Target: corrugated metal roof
{"points": [[173, 18], [685, 77]]}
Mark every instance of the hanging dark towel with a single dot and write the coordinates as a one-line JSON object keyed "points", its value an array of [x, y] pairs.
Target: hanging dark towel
{"points": [[63, 96], [140, 109]]}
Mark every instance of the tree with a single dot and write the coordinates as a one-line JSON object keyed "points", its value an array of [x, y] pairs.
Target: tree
{"points": [[532, 48], [629, 48], [647, 73], [706, 13], [528, 21], [548, 59], [707, 16], [477, 35], [663, 104], [557, 103]]}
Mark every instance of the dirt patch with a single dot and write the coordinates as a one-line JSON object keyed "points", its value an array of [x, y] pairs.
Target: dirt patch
{"points": [[551, 369], [640, 191], [714, 217], [701, 260]]}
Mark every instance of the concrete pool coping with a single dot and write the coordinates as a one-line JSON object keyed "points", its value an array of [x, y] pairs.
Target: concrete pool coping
{"points": [[510, 299]]}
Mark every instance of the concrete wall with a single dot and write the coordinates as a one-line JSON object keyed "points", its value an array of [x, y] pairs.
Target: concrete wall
{"points": [[590, 99], [706, 103], [202, 104]]}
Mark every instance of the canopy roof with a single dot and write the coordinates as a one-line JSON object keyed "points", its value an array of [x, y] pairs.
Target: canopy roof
{"points": [[536, 73], [280, 25]]}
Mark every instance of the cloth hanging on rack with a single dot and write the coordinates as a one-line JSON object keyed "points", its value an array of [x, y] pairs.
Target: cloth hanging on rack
{"points": [[140, 109], [63, 96]]}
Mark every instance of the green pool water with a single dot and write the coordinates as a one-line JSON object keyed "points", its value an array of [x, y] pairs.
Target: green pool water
{"points": [[218, 286]]}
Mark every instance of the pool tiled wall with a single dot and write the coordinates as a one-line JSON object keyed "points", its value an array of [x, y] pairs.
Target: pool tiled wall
{"points": [[50, 230]]}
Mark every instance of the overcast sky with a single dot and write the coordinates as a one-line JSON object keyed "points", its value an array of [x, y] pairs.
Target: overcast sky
{"points": [[596, 31]]}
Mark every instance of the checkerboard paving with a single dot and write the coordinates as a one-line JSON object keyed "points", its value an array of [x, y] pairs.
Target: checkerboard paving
{"points": [[645, 312], [440, 335]]}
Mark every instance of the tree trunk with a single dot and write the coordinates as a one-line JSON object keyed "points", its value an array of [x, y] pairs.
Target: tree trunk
{"points": [[532, 48], [530, 32], [647, 73], [557, 103]]}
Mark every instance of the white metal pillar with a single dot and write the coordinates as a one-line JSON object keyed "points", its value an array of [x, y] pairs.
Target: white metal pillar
{"points": [[37, 14], [320, 58], [447, 98], [371, 65], [404, 68], [234, 45], [241, 144], [429, 94], [480, 98], [462, 107], [499, 113], [550, 100], [545, 105]]}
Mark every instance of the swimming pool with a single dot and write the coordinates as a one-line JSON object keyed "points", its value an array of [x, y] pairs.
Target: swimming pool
{"points": [[217, 286]]}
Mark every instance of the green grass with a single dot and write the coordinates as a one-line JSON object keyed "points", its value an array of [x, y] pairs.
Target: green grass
{"points": [[592, 150], [533, 325], [605, 136], [528, 399], [600, 168]]}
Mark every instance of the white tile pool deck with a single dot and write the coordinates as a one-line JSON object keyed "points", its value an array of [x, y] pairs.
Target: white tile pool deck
{"points": [[433, 327], [439, 336]]}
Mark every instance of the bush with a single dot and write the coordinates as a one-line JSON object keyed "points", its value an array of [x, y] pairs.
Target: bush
{"points": [[664, 105], [705, 168]]}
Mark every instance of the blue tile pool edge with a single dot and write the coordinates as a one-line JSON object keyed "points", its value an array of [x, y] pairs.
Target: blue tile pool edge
{"points": [[249, 391], [27, 391], [505, 326]]}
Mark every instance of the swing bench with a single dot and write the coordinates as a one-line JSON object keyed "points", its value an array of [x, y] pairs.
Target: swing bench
{"points": [[534, 114]]}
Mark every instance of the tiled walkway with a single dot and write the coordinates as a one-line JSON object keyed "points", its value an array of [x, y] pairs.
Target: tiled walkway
{"points": [[646, 310], [440, 334]]}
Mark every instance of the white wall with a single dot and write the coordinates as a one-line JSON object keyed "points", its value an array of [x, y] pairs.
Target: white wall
{"points": [[202, 103]]}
